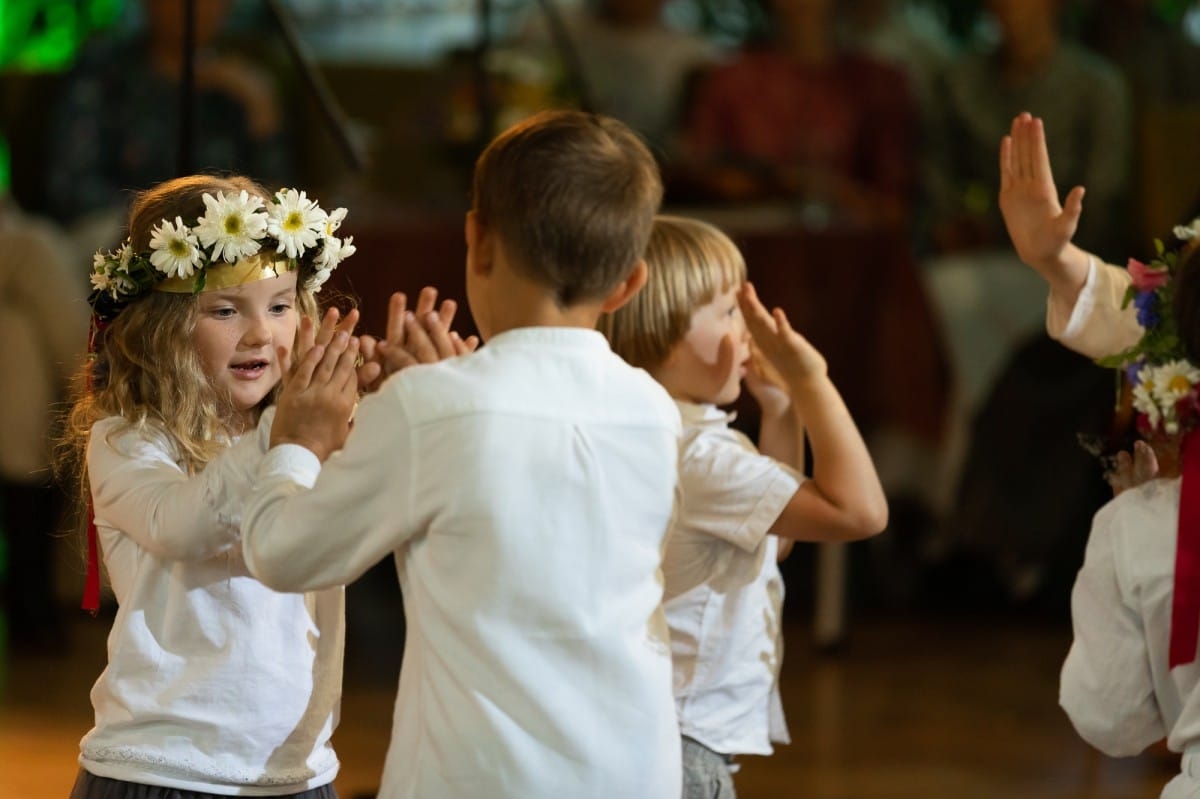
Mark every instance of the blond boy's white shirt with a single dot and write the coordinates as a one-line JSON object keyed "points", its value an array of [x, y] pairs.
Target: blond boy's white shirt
{"points": [[526, 491], [1095, 325], [724, 592]]}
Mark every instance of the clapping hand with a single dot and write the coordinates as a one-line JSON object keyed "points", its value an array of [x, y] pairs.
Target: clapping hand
{"points": [[419, 336]]}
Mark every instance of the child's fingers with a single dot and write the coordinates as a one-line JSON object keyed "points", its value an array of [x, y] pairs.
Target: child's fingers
{"points": [[781, 323], [324, 370], [1145, 463], [464, 346], [394, 358], [758, 321], [1073, 207], [397, 305], [419, 344], [1040, 155], [305, 339], [439, 336], [302, 376], [368, 375], [1006, 175], [349, 321], [345, 373], [329, 324], [446, 313], [426, 302]]}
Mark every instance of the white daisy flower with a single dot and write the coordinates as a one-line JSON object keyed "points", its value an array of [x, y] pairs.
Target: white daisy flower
{"points": [[1173, 381], [296, 222], [120, 285], [1144, 402], [125, 255], [175, 250], [333, 253], [334, 220], [1187, 232], [232, 225], [99, 273]]}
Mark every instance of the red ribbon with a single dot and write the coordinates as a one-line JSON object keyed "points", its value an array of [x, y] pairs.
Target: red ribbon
{"points": [[91, 584], [1185, 603]]}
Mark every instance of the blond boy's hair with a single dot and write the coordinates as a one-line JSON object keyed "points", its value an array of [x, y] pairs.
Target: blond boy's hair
{"points": [[689, 263], [572, 197]]}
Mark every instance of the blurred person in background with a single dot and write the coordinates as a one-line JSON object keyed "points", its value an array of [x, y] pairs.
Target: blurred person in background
{"points": [[43, 333], [115, 127]]}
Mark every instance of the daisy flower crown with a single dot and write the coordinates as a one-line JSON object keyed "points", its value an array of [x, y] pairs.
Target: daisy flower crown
{"points": [[239, 238], [1165, 384]]}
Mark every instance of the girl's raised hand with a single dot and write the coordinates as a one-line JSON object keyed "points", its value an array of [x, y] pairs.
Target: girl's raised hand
{"points": [[317, 401], [1040, 228]]}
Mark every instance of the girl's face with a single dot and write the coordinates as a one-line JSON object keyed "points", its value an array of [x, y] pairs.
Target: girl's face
{"points": [[238, 331], [709, 363]]}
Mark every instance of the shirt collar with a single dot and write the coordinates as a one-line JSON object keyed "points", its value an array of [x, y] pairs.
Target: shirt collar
{"points": [[703, 413], [573, 337]]}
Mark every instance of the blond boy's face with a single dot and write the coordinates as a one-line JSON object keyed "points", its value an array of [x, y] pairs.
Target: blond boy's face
{"points": [[708, 365]]}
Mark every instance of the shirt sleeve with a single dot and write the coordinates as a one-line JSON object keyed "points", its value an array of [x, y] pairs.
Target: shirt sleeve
{"points": [[305, 531], [1106, 685], [732, 492], [139, 489], [1096, 325]]}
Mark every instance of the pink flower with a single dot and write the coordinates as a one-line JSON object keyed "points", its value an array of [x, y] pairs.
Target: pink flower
{"points": [[1146, 278]]}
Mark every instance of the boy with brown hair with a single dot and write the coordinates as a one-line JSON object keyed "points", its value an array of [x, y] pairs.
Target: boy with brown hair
{"points": [[525, 491]]}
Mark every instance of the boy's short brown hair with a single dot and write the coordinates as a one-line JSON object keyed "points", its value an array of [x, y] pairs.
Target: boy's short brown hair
{"points": [[689, 263], [572, 197]]}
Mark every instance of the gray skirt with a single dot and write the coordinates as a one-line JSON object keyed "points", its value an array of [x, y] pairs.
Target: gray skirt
{"points": [[89, 786]]}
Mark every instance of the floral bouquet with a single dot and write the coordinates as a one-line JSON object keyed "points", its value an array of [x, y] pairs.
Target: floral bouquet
{"points": [[1164, 382]]}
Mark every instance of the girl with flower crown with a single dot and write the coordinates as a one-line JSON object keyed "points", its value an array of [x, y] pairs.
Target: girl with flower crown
{"points": [[215, 684], [1132, 677]]}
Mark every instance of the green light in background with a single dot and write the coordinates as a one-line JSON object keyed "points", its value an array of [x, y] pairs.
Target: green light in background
{"points": [[5, 167], [38, 35]]}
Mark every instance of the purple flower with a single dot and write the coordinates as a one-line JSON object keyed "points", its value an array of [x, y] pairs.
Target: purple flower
{"points": [[1146, 303]]}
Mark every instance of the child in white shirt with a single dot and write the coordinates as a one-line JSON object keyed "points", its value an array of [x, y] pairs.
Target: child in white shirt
{"points": [[215, 683], [525, 492], [699, 329]]}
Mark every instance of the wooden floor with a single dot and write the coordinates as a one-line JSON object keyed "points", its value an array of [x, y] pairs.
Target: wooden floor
{"points": [[907, 708]]}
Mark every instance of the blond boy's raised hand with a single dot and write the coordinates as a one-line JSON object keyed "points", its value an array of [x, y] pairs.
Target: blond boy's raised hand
{"points": [[791, 356], [1040, 227]]}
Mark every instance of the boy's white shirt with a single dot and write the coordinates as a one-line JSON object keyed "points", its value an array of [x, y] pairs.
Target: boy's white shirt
{"points": [[215, 683], [1115, 684], [526, 491], [724, 592], [1096, 325]]}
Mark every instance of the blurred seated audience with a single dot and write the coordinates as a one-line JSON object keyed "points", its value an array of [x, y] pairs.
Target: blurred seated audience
{"points": [[908, 34], [795, 117], [991, 307], [43, 333], [115, 127], [633, 65], [1161, 64]]}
